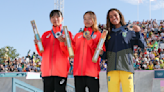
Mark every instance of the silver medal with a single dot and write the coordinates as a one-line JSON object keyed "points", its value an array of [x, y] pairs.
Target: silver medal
{"points": [[58, 34]]}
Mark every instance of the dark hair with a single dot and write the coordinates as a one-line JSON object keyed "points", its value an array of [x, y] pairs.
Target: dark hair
{"points": [[109, 25], [54, 12]]}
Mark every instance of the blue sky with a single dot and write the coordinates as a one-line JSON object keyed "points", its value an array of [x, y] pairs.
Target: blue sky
{"points": [[15, 17]]}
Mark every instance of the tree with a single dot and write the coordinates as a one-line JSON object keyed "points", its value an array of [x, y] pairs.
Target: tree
{"points": [[12, 53]]}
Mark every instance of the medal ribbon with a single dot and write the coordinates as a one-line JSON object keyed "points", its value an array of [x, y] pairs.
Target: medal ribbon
{"points": [[54, 33]]}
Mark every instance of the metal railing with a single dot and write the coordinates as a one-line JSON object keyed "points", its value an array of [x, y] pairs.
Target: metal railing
{"points": [[23, 85], [13, 74], [27, 87]]}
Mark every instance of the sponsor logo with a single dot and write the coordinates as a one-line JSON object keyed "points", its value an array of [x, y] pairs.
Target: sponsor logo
{"points": [[159, 74], [48, 36], [62, 81], [130, 77], [80, 36]]}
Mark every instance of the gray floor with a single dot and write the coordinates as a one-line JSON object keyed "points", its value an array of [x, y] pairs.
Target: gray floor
{"points": [[156, 85], [144, 82]]}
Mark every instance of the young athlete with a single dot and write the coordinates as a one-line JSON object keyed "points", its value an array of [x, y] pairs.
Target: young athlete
{"points": [[55, 62], [86, 72], [119, 50]]}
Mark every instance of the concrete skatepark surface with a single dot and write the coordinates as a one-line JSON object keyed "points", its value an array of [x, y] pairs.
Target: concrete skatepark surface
{"points": [[144, 82], [6, 84]]}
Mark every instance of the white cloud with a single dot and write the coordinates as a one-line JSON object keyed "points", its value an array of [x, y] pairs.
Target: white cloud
{"points": [[133, 2], [155, 5]]}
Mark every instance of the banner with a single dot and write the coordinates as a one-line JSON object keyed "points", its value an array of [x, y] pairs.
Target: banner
{"points": [[158, 73]]}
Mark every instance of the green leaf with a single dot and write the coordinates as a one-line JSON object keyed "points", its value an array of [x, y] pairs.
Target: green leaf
{"points": [[12, 53]]}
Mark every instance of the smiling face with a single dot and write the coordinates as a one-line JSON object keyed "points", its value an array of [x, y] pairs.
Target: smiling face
{"points": [[114, 17], [88, 21]]}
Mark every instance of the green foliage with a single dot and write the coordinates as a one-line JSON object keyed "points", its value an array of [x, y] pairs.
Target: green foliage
{"points": [[12, 53]]}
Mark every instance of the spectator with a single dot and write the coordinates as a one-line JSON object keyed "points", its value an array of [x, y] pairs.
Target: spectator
{"points": [[80, 30], [161, 64], [134, 63], [16, 65], [12, 69], [157, 66], [19, 68], [152, 56], [23, 60], [151, 66], [129, 22], [28, 59], [162, 55], [157, 58], [27, 69], [138, 67], [144, 65], [31, 66], [19, 64], [1, 68], [103, 65]]}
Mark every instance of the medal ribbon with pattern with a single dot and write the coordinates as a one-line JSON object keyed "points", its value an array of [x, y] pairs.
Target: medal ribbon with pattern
{"points": [[56, 33]]}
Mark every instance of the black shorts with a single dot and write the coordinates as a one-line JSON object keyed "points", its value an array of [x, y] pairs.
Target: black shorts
{"points": [[84, 81], [54, 83]]}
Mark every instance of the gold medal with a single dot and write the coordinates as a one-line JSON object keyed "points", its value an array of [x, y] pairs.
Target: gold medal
{"points": [[85, 33]]}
